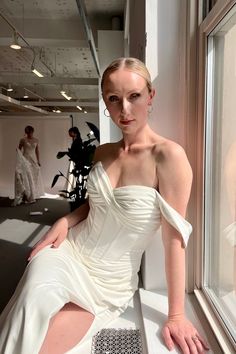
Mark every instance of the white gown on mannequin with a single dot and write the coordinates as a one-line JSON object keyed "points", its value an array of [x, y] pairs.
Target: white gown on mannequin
{"points": [[95, 267], [28, 179]]}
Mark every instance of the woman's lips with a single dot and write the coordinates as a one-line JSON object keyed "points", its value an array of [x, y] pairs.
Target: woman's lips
{"points": [[126, 122]]}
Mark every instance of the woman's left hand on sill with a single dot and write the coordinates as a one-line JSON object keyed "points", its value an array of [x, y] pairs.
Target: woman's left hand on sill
{"points": [[180, 331]]}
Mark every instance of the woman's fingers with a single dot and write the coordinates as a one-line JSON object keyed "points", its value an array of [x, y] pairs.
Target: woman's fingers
{"points": [[194, 345], [203, 342], [185, 336], [200, 343], [58, 241], [167, 338], [185, 349], [37, 249], [45, 241]]}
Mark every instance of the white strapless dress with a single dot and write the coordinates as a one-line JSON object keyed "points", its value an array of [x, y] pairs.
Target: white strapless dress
{"points": [[96, 267], [28, 178]]}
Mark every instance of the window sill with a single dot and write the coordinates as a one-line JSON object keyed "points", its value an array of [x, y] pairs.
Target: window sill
{"points": [[214, 323]]}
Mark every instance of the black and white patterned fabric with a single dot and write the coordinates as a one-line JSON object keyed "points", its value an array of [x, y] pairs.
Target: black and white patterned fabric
{"points": [[117, 341]]}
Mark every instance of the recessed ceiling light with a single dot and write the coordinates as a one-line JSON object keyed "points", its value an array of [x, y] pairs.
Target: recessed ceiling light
{"points": [[15, 44], [9, 88]]}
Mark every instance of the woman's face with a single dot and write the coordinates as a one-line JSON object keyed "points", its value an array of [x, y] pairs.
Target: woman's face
{"points": [[127, 99], [29, 133], [72, 134]]}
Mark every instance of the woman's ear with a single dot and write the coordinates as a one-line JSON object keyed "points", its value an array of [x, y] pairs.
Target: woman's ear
{"points": [[151, 95], [153, 92]]}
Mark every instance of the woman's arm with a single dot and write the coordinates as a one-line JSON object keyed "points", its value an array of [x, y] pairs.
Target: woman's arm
{"points": [[175, 179], [59, 230], [21, 144]]}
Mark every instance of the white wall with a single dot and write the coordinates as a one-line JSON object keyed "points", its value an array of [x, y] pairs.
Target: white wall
{"points": [[165, 59], [166, 36]]}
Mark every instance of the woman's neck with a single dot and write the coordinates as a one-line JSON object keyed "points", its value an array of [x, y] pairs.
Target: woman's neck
{"points": [[143, 137]]}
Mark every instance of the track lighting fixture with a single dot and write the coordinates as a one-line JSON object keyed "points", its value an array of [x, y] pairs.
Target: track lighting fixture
{"points": [[63, 93], [28, 93], [15, 44], [36, 72], [79, 108]]}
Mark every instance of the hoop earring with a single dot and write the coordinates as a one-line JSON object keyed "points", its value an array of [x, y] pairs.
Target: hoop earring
{"points": [[150, 109], [105, 113]]}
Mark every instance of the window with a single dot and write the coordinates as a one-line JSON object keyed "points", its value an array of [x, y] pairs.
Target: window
{"points": [[219, 281], [207, 5]]}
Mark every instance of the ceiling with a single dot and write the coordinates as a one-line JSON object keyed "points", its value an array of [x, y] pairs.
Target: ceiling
{"points": [[59, 39]]}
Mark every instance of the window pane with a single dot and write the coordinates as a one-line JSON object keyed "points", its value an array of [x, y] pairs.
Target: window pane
{"points": [[220, 169]]}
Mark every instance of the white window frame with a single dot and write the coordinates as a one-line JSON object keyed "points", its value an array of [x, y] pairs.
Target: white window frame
{"points": [[219, 11]]}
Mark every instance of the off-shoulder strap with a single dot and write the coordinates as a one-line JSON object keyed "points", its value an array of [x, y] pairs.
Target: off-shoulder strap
{"points": [[175, 219]]}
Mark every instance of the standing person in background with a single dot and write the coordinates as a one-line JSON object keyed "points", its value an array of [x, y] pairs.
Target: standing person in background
{"points": [[75, 154], [91, 257], [28, 179], [77, 144]]}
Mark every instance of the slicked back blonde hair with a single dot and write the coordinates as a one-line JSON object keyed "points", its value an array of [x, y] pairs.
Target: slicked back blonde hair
{"points": [[133, 64]]}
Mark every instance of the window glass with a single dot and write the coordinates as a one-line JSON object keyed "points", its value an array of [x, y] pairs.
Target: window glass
{"points": [[220, 171], [207, 5]]}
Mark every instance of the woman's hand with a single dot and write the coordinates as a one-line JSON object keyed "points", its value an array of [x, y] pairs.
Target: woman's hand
{"points": [[54, 237], [183, 333]]}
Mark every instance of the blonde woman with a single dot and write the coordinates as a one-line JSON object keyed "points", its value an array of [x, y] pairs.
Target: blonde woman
{"points": [[90, 258]]}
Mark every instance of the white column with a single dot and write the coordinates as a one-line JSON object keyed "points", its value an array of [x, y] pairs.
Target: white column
{"points": [[110, 47]]}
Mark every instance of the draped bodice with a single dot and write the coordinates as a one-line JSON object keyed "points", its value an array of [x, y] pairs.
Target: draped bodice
{"points": [[121, 223], [29, 147]]}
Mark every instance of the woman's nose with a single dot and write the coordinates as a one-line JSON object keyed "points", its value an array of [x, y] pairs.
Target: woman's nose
{"points": [[124, 107]]}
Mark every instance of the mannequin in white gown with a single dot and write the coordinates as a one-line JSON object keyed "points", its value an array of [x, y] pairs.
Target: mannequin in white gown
{"points": [[91, 257], [28, 179]]}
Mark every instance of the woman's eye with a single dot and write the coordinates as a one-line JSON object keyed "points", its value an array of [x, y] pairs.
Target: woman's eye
{"points": [[113, 99], [134, 96]]}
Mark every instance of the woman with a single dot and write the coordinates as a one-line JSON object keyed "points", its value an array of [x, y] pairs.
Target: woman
{"points": [[28, 180], [132, 190], [75, 150]]}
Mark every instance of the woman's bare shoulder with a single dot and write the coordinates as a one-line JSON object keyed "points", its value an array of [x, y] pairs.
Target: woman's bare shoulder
{"points": [[104, 151], [172, 164], [167, 151]]}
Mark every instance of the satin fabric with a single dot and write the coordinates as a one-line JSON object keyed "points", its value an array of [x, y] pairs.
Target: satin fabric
{"points": [[96, 267]]}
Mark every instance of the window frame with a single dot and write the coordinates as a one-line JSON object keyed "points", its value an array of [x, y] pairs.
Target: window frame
{"points": [[218, 12]]}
